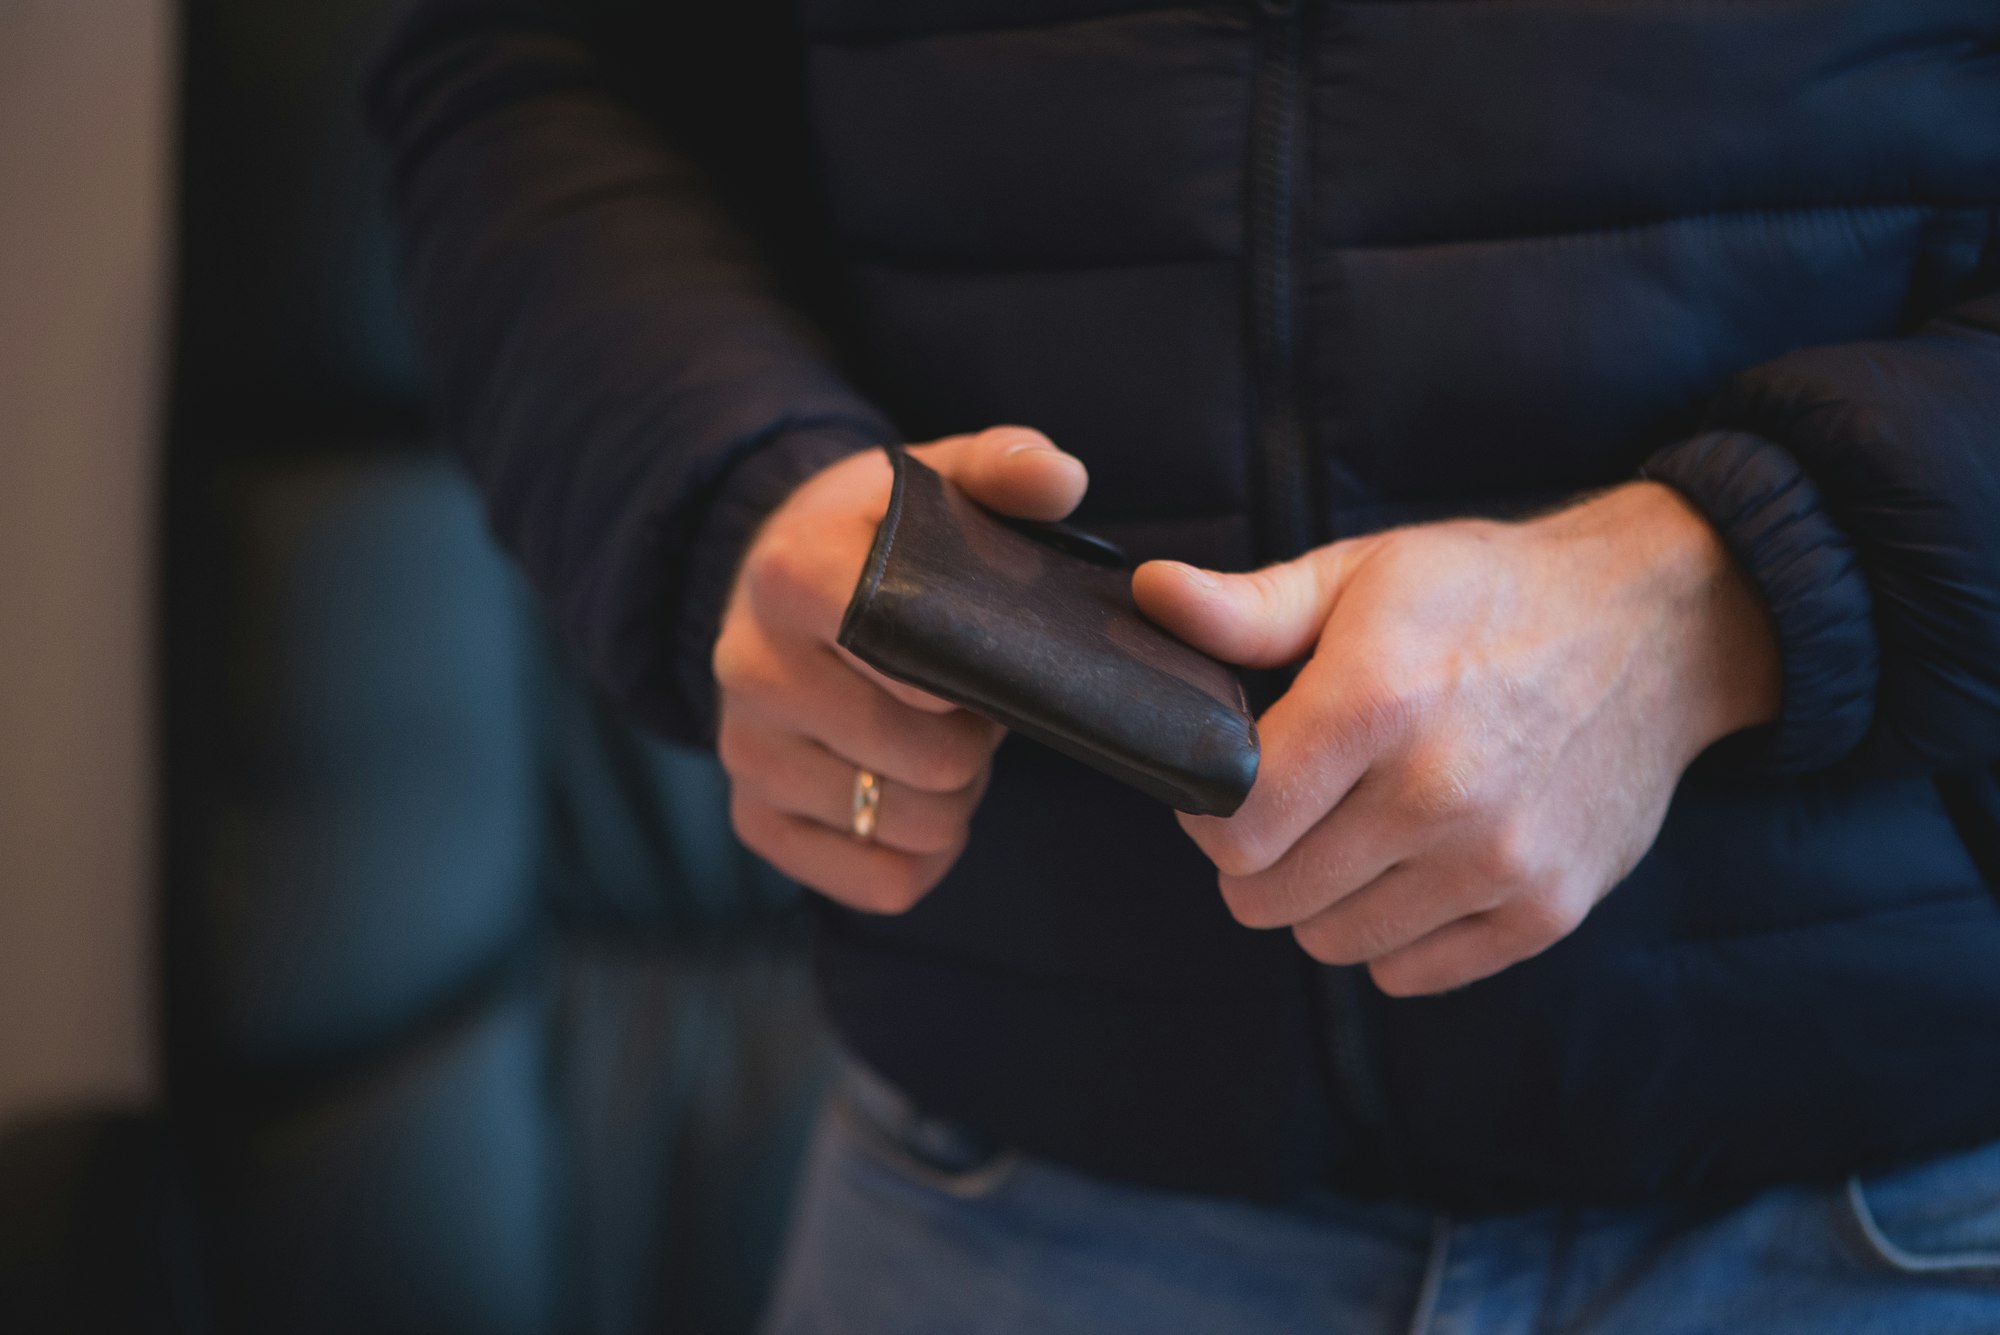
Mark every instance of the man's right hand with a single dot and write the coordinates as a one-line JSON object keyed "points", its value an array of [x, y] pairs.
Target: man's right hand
{"points": [[800, 716]]}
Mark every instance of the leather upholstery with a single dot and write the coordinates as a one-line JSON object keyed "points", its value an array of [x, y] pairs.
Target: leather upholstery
{"points": [[499, 1031], [478, 1020]]}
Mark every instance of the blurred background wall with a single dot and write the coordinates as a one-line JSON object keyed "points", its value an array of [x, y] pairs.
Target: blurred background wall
{"points": [[85, 132]]}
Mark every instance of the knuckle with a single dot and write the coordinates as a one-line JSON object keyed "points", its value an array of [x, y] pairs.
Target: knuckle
{"points": [[734, 749], [899, 887], [1384, 708], [962, 769], [1327, 941], [1235, 850], [1375, 937], [928, 773], [1272, 585], [972, 794], [782, 571], [743, 666], [1506, 855], [1249, 902], [1543, 919], [746, 821], [1400, 978], [928, 830], [1442, 791], [725, 661], [949, 768]]}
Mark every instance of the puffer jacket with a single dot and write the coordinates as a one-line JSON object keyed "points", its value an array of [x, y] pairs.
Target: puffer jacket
{"points": [[1280, 272]]}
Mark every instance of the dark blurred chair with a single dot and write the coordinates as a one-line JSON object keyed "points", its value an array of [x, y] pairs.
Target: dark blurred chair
{"points": [[475, 1017]]}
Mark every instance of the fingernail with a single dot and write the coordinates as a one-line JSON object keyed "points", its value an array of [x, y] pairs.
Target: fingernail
{"points": [[1032, 442], [1198, 577]]}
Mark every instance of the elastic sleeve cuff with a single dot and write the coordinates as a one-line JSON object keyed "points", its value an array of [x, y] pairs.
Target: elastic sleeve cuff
{"points": [[752, 490], [1769, 515]]}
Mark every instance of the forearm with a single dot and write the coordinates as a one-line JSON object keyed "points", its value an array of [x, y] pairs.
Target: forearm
{"points": [[604, 344]]}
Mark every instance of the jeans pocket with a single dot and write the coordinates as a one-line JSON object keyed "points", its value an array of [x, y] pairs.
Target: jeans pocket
{"points": [[1939, 1217], [933, 1153]]}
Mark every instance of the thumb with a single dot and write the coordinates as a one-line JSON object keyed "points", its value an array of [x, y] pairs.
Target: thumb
{"points": [[1266, 618], [1013, 469]]}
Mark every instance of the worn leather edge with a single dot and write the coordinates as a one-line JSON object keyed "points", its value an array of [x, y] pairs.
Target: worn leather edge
{"points": [[1243, 704], [1185, 782], [878, 552], [1181, 786]]}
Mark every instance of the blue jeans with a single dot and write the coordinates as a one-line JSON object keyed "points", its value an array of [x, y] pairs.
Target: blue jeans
{"points": [[906, 1225]]}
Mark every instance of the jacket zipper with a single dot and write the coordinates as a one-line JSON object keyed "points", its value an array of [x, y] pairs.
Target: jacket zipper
{"points": [[1283, 499], [1379, 1157], [1289, 518]]}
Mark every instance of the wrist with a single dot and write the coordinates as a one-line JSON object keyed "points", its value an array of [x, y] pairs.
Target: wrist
{"points": [[1711, 635], [1727, 647], [745, 499]]}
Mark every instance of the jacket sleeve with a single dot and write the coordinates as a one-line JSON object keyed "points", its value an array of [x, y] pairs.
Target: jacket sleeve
{"points": [[612, 347], [1859, 485]]}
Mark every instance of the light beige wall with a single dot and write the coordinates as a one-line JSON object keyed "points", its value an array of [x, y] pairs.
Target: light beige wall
{"points": [[84, 144]]}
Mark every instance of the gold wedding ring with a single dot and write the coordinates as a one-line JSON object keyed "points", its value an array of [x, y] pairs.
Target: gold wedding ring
{"points": [[867, 801]]}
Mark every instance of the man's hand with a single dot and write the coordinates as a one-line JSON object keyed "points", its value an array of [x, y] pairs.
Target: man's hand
{"points": [[800, 716], [1491, 724]]}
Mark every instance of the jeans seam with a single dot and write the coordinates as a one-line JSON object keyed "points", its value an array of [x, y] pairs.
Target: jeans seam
{"points": [[1431, 1289], [891, 1153], [1888, 1251]]}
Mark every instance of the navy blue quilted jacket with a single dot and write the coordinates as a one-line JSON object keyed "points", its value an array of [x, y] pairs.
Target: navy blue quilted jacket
{"points": [[1283, 272]]}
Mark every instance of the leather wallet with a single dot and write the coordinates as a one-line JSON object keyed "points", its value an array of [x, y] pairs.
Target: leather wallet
{"points": [[1033, 625]]}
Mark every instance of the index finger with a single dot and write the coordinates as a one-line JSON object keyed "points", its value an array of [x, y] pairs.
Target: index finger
{"points": [[1316, 744], [909, 695]]}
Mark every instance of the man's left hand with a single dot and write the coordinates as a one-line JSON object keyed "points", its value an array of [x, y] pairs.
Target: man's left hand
{"points": [[1488, 728]]}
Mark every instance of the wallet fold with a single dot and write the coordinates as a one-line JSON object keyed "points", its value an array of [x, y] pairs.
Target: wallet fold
{"points": [[1033, 626]]}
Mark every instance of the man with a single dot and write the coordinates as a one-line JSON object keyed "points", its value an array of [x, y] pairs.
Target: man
{"points": [[1607, 398]]}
